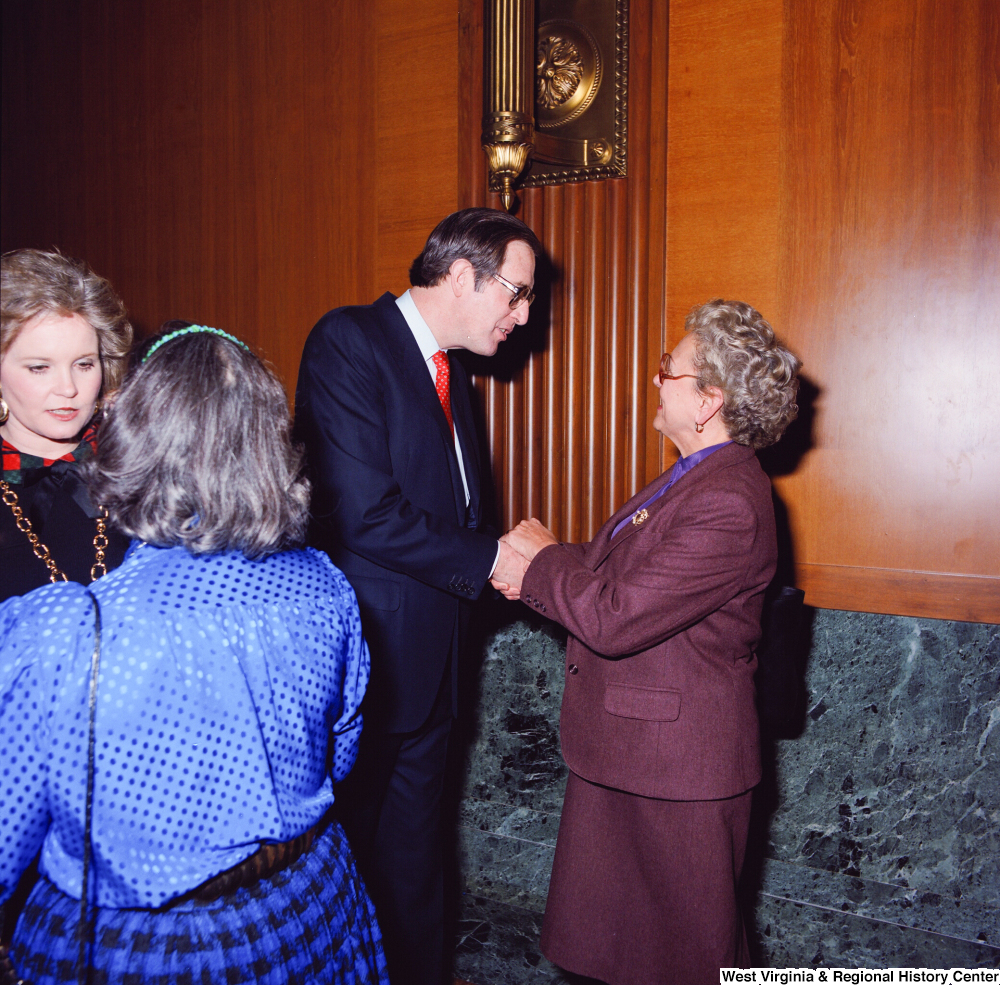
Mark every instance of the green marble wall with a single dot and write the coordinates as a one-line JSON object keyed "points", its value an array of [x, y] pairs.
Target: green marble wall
{"points": [[876, 836]]}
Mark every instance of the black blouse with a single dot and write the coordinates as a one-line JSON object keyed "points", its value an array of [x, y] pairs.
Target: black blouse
{"points": [[55, 500]]}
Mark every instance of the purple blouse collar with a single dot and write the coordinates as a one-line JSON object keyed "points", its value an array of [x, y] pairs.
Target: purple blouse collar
{"points": [[680, 467]]}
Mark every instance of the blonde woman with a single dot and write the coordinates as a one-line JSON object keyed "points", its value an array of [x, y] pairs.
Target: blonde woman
{"points": [[63, 343]]}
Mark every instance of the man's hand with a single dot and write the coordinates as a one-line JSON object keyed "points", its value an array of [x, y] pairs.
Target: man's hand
{"points": [[529, 537], [509, 572]]}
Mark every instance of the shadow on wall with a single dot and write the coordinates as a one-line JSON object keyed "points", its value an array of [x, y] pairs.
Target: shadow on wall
{"points": [[785, 457], [532, 337], [782, 698], [785, 622], [782, 657]]}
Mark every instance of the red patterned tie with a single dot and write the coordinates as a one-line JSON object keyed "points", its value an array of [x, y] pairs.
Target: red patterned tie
{"points": [[441, 384]]}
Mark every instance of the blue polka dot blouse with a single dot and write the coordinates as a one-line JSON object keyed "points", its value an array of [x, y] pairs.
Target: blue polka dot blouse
{"points": [[227, 705]]}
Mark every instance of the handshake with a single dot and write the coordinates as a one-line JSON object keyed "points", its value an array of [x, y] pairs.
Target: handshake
{"points": [[518, 548]]}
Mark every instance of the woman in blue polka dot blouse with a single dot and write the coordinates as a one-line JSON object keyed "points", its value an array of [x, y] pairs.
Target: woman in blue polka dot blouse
{"points": [[232, 668]]}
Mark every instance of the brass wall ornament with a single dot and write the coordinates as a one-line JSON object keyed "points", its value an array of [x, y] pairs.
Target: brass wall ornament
{"points": [[578, 127], [507, 124], [568, 72]]}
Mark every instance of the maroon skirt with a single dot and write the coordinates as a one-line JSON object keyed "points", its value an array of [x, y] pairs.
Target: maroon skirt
{"points": [[643, 891]]}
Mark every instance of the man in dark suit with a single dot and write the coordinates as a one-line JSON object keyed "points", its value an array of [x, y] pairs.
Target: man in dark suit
{"points": [[385, 414]]}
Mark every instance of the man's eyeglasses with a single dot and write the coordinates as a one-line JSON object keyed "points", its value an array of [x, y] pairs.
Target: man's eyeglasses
{"points": [[665, 374], [524, 293]]}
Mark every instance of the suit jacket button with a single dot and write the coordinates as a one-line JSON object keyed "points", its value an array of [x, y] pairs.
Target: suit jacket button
{"points": [[573, 669]]}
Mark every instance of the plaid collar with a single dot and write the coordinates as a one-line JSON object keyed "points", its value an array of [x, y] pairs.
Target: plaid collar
{"points": [[16, 463]]}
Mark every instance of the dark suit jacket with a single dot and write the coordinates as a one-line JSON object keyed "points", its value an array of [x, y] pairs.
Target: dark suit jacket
{"points": [[388, 503], [659, 697]]}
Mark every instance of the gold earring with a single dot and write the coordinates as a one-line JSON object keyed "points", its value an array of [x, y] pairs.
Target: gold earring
{"points": [[699, 427], [4, 410]]}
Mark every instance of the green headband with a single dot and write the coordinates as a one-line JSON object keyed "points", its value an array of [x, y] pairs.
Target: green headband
{"points": [[188, 331]]}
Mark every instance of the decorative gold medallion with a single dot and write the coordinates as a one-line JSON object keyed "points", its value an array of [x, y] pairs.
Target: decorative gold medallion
{"points": [[568, 72], [641, 517]]}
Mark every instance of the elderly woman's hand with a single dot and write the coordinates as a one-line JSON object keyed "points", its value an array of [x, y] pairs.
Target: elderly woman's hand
{"points": [[529, 537]]}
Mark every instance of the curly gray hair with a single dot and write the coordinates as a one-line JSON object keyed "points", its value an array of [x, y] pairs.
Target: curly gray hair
{"points": [[36, 282], [738, 352]]}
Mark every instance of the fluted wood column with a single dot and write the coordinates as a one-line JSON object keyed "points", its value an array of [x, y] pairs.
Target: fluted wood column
{"points": [[569, 400]]}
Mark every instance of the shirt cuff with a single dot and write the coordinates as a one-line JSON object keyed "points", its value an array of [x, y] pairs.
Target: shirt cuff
{"points": [[496, 561]]}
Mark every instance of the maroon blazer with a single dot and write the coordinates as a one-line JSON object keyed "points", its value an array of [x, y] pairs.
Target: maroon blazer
{"points": [[659, 697]]}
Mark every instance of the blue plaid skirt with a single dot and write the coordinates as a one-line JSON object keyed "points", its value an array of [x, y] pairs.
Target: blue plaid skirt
{"points": [[310, 923]]}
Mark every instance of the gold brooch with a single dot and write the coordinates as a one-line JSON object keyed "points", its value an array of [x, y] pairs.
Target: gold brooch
{"points": [[641, 517]]}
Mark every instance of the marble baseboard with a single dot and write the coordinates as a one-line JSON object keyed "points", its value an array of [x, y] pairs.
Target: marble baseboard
{"points": [[791, 934], [798, 917], [876, 837], [513, 756], [963, 920], [506, 856], [498, 945], [498, 942], [896, 775], [536, 827]]}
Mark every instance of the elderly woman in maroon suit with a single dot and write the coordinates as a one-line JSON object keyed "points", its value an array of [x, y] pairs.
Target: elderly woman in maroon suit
{"points": [[658, 726]]}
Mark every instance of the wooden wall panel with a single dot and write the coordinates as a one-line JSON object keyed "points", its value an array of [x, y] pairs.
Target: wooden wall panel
{"points": [[837, 164], [893, 286], [723, 162], [417, 130], [245, 165], [569, 399]]}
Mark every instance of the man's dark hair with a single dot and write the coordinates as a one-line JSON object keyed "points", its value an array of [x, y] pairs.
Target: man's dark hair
{"points": [[477, 235]]}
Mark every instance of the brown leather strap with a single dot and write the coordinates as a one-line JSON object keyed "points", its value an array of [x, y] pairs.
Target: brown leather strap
{"points": [[270, 858]]}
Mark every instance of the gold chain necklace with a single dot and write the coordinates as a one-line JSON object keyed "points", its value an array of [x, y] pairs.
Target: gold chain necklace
{"points": [[42, 552]]}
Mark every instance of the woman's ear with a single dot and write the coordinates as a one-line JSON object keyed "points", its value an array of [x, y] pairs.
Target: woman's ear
{"points": [[711, 403]]}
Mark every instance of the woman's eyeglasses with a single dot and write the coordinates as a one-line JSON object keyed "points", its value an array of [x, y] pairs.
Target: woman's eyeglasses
{"points": [[665, 374], [524, 293]]}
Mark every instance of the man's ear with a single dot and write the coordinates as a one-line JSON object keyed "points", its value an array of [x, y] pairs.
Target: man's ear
{"points": [[462, 277]]}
